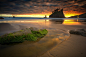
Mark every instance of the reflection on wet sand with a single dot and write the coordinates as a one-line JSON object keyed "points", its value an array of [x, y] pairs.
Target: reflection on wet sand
{"points": [[71, 22], [47, 21], [33, 49]]}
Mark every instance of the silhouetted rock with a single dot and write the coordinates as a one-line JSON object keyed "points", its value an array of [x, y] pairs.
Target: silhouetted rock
{"points": [[13, 16], [82, 15], [57, 14], [1, 18], [78, 32], [45, 16], [79, 16]]}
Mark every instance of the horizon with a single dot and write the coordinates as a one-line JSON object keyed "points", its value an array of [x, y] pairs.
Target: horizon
{"points": [[35, 15]]}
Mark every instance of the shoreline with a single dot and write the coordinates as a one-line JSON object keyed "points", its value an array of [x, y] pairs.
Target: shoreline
{"points": [[48, 25], [75, 46]]}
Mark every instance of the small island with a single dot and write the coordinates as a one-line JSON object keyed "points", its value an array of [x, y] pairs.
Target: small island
{"points": [[1, 18], [13, 16]]}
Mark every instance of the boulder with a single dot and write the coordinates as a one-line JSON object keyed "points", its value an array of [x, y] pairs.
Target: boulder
{"points": [[1, 18], [78, 32]]}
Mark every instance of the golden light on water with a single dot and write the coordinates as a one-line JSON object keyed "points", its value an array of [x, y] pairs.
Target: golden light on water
{"points": [[68, 20], [25, 21], [71, 22], [47, 20]]}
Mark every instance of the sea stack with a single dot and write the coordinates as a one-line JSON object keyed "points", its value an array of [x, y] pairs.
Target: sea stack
{"points": [[13, 16], [1, 18], [57, 14], [45, 16]]}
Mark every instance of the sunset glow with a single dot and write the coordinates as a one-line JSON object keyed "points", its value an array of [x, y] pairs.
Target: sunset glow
{"points": [[37, 15]]}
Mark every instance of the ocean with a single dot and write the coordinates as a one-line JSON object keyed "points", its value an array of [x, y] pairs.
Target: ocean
{"points": [[36, 18]]}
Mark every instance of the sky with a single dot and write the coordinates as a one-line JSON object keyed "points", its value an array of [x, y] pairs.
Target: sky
{"points": [[40, 8]]}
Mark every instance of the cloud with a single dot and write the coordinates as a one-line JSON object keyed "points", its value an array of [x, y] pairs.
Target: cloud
{"points": [[39, 6]]}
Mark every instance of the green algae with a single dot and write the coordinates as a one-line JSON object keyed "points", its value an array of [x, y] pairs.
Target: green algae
{"points": [[12, 38]]}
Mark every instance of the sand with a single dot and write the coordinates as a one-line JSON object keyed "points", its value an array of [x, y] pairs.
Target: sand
{"points": [[75, 46], [6, 27]]}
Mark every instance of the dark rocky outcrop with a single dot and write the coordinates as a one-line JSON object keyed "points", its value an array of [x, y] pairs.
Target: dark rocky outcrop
{"points": [[78, 32], [82, 15], [13, 16], [45, 16], [57, 14], [1, 18]]}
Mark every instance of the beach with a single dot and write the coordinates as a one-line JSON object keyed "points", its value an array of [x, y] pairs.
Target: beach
{"points": [[75, 46], [72, 46]]}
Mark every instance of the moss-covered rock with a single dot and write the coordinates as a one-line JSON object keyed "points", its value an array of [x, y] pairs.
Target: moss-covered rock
{"points": [[20, 36], [34, 29]]}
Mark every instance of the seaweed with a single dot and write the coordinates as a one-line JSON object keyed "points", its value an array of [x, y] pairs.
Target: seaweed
{"points": [[12, 38]]}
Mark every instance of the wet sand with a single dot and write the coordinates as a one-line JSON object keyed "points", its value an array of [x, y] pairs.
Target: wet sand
{"points": [[48, 46], [75, 46]]}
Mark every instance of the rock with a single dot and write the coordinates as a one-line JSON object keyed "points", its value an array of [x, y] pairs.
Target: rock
{"points": [[23, 31], [78, 32], [45, 16], [13, 16], [1, 18], [57, 14], [79, 16], [34, 29], [26, 31]]}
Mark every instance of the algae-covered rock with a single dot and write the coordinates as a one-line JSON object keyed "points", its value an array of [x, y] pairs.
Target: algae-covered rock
{"points": [[23, 31], [29, 34], [34, 29]]}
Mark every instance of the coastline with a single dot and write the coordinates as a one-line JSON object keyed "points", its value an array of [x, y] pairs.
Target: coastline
{"points": [[51, 48]]}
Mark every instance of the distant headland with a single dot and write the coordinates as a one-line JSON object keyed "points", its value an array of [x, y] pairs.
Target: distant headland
{"points": [[79, 16], [57, 13]]}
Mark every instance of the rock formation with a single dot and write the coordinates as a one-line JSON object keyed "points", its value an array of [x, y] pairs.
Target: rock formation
{"points": [[13, 16], [29, 34], [45, 16], [57, 14], [78, 32], [1, 18], [79, 16]]}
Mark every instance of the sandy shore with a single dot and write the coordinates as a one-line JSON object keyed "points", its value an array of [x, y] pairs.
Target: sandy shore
{"points": [[75, 46]]}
